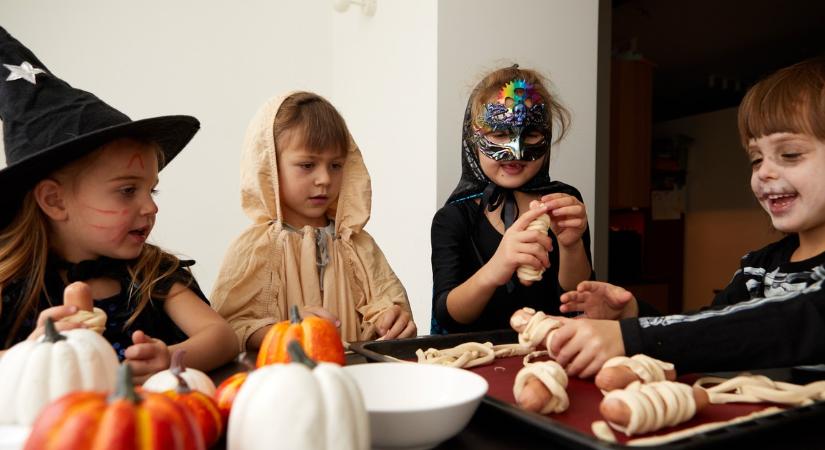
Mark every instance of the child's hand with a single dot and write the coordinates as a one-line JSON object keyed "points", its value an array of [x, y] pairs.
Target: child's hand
{"points": [[56, 313], [598, 300], [319, 311], [146, 356], [394, 323], [582, 346], [519, 247], [568, 217]]}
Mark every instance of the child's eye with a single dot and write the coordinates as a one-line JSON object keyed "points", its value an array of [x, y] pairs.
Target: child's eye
{"points": [[306, 165], [755, 163], [155, 191], [337, 166], [790, 155], [128, 191]]}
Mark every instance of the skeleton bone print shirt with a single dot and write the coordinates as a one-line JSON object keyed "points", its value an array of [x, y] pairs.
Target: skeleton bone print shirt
{"points": [[771, 314]]}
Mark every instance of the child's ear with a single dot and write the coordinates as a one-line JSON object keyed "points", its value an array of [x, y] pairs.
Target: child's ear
{"points": [[49, 196]]}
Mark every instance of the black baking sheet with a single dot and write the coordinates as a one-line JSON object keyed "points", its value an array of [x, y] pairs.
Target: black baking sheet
{"points": [[779, 423]]}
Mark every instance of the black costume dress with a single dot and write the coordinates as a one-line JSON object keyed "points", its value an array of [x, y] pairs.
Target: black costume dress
{"points": [[152, 320], [463, 240]]}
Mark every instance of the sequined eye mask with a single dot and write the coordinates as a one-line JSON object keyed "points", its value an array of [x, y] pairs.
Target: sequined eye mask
{"points": [[519, 111]]}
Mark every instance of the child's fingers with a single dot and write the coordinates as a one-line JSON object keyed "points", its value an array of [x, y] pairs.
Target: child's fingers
{"points": [[528, 216], [139, 337], [141, 351], [581, 361], [398, 326], [561, 346], [388, 319], [537, 250], [141, 369], [409, 331], [588, 286], [56, 313], [550, 197]]}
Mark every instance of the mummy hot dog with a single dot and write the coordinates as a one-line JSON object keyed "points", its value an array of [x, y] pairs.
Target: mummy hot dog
{"points": [[528, 274], [620, 371], [644, 408], [80, 295]]}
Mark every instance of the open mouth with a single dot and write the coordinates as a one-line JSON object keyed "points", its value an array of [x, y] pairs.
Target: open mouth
{"points": [[779, 202], [141, 233], [512, 167]]}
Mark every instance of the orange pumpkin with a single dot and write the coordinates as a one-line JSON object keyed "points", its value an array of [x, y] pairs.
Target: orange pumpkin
{"points": [[125, 421], [201, 406], [227, 391], [318, 337]]}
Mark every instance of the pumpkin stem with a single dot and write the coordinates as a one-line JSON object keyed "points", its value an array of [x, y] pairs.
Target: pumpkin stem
{"points": [[124, 387], [177, 368], [242, 360], [297, 354], [52, 335], [294, 314]]}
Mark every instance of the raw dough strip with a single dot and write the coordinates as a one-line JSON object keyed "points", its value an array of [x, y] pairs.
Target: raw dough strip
{"points": [[469, 354], [530, 273], [655, 405], [602, 431], [94, 320], [646, 368], [552, 375], [539, 329], [748, 388]]}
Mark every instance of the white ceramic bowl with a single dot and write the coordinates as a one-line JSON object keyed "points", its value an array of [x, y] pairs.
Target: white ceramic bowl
{"points": [[415, 406]]}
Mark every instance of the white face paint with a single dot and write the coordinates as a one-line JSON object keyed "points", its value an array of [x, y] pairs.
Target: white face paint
{"points": [[788, 180]]}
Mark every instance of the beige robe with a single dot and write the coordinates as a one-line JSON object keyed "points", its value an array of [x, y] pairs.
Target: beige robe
{"points": [[268, 268]]}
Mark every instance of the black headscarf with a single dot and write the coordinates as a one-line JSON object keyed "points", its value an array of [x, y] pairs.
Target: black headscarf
{"points": [[474, 183]]}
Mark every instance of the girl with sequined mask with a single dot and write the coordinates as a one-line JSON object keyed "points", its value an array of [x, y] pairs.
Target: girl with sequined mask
{"points": [[480, 236]]}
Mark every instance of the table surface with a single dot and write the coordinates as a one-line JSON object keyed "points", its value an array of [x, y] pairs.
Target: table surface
{"points": [[492, 429]]}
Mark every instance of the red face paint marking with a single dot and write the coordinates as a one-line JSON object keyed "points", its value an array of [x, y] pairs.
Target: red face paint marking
{"points": [[102, 211], [137, 156]]}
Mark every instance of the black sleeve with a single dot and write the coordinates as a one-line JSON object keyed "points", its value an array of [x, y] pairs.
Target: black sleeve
{"points": [[778, 331], [184, 276], [449, 237]]}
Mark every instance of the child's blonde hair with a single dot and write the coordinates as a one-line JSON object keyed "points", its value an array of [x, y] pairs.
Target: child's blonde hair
{"points": [[791, 100], [558, 117], [312, 119], [24, 254]]}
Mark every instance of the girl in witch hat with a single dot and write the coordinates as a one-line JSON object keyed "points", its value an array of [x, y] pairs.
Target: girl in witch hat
{"points": [[77, 206], [480, 237]]}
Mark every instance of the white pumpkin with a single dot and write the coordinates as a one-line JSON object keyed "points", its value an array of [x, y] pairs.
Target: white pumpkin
{"points": [[33, 373], [167, 380], [294, 406]]}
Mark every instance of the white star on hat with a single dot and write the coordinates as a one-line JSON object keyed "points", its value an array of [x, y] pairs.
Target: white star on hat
{"points": [[25, 71]]}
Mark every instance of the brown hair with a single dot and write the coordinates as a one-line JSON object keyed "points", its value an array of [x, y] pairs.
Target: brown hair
{"points": [[314, 120], [791, 100], [490, 85], [24, 253]]}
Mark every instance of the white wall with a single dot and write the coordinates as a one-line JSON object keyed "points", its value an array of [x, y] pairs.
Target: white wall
{"points": [[400, 79], [384, 82]]}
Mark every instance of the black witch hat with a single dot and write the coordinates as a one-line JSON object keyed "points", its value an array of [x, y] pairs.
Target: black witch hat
{"points": [[47, 124]]}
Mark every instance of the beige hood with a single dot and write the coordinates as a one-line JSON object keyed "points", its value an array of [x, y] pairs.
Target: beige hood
{"points": [[269, 268]]}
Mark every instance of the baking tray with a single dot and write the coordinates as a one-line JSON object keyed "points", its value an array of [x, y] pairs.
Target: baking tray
{"points": [[797, 422]]}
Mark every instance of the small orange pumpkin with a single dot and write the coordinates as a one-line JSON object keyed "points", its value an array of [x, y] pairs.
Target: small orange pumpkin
{"points": [[125, 421], [227, 391], [201, 406], [319, 338]]}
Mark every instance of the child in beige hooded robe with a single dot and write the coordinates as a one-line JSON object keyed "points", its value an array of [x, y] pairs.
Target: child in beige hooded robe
{"points": [[275, 264]]}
